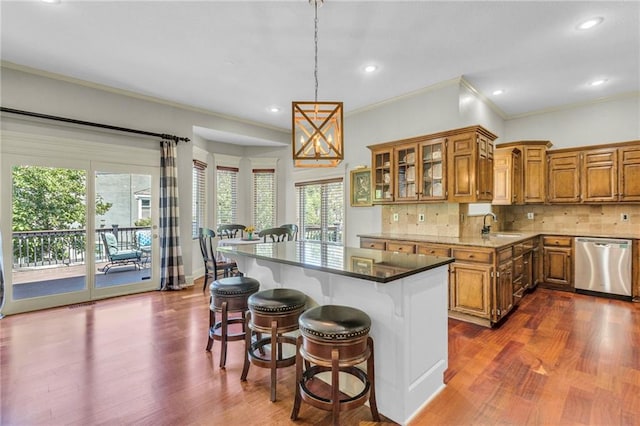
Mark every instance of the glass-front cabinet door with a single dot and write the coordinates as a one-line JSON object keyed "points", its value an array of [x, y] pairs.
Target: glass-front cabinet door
{"points": [[382, 175], [406, 172], [433, 170]]}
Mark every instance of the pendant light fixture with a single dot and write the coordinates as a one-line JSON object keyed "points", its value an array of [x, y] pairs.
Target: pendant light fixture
{"points": [[317, 126]]}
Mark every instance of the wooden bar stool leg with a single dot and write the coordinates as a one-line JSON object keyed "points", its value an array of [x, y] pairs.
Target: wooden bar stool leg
{"points": [[275, 352], [247, 347], [212, 321], [335, 386], [298, 398], [223, 349], [372, 380]]}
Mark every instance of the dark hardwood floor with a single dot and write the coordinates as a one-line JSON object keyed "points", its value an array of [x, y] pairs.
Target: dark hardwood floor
{"points": [[560, 359]]}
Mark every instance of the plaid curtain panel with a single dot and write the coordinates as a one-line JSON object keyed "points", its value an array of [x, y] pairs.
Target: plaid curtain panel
{"points": [[172, 268]]}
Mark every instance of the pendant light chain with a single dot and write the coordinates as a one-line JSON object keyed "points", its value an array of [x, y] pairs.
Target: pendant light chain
{"points": [[315, 41]]}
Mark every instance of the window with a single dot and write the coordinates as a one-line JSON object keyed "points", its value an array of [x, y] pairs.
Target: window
{"points": [[227, 194], [264, 198], [198, 197], [321, 210]]}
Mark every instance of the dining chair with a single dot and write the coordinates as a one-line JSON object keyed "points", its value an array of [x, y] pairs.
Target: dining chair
{"points": [[293, 231], [212, 266], [277, 235], [231, 230]]}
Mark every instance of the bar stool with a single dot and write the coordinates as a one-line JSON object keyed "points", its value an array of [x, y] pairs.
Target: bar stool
{"points": [[334, 338], [228, 295], [272, 312]]}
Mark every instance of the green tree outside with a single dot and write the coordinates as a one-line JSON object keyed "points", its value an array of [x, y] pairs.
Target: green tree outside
{"points": [[46, 198]]}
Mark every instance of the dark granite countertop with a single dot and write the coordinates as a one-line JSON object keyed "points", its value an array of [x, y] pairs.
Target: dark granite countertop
{"points": [[373, 265]]}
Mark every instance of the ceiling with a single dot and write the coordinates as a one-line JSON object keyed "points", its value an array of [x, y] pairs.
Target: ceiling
{"points": [[240, 58]]}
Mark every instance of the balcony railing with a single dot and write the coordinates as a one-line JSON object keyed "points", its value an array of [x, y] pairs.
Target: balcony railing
{"points": [[314, 233], [63, 247]]}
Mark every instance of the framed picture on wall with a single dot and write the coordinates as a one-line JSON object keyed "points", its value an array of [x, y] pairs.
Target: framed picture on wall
{"points": [[361, 187]]}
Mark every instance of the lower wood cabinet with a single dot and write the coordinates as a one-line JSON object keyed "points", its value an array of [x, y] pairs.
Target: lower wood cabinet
{"points": [[557, 260], [470, 289], [504, 287], [485, 284]]}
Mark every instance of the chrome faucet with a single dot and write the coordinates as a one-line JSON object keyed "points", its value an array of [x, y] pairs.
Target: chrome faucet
{"points": [[487, 228]]}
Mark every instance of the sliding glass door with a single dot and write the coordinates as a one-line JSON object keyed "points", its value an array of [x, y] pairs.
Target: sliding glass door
{"points": [[80, 231], [126, 236]]}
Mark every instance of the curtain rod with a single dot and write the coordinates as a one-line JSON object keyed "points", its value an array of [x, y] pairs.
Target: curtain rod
{"points": [[89, 123]]}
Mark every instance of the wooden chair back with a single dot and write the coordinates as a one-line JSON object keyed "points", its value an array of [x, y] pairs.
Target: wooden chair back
{"points": [[276, 235], [212, 266], [293, 231], [231, 230]]}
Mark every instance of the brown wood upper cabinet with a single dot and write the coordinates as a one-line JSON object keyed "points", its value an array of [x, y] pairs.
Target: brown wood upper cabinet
{"points": [[382, 171], [520, 172], [455, 165], [564, 177], [629, 172], [471, 166], [601, 174]]}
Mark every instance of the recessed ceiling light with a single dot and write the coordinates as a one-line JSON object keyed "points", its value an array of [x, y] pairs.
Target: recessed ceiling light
{"points": [[51, 1], [498, 92], [274, 109], [590, 23], [599, 82], [370, 68]]}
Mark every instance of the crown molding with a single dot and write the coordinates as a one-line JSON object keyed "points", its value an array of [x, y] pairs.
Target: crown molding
{"points": [[130, 94]]}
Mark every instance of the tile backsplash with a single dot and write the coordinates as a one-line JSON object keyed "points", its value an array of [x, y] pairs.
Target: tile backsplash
{"points": [[597, 219], [442, 219], [452, 220]]}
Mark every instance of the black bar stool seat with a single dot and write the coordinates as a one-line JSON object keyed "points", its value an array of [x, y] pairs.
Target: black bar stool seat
{"points": [[229, 295], [272, 312], [334, 338]]}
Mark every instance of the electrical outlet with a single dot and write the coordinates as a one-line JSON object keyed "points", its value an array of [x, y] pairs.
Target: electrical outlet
{"points": [[420, 217], [530, 215], [395, 217], [624, 217]]}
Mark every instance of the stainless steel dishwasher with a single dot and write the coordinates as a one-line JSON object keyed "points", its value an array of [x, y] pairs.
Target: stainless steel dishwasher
{"points": [[603, 265]]}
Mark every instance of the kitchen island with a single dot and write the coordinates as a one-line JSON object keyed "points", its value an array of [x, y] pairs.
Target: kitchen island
{"points": [[404, 294]]}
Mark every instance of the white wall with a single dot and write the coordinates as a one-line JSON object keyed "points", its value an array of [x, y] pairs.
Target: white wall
{"points": [[616, 120]]}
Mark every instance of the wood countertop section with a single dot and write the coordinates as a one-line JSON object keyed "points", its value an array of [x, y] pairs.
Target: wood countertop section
{"points": [[493, 240]]}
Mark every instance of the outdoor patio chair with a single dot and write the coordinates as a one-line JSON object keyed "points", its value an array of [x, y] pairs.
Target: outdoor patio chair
{"points": [[117, 256], [142, 242]]}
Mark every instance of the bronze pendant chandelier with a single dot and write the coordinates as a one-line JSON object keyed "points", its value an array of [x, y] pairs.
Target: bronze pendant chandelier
{"points": [[317, 126]]}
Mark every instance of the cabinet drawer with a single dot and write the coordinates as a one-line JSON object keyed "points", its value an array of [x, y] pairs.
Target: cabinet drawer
{"points": [[371, 243], [528, 245], [431, 250], [401, 247], [556, 241], [470, 255], [505, 254], [518, 267], [518, 249]]}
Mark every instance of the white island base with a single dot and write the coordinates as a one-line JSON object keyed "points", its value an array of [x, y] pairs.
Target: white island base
{"points": [[409, 325]]}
